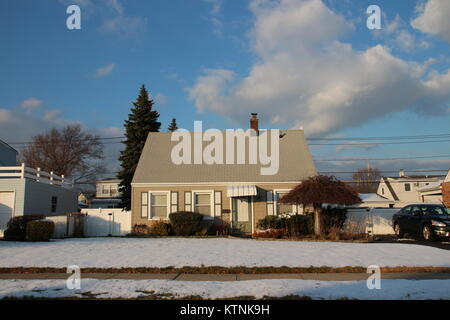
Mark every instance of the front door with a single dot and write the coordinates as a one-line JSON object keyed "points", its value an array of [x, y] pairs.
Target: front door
{"points": [[242, 215]]}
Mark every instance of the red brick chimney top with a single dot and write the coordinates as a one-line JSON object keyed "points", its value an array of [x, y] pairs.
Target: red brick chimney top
{"points": [[254, 122]]}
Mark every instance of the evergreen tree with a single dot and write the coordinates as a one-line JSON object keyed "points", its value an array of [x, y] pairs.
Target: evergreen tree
{"points": [[141, 121], [173, 125]]}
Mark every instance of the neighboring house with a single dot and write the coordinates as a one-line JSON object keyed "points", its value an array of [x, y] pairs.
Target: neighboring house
{"points": [[373, 200], [410, 189], [8, 155], [236, 193], [446, 190], [107, 194], [29, 191]]}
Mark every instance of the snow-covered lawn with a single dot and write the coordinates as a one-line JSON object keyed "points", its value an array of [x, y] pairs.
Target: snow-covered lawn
{"points": [[179, 252], [390, 289]]}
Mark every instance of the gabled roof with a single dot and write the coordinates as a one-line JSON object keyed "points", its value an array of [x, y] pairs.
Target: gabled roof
{"points": [[391, 190], [155, 164], [8, 146]]}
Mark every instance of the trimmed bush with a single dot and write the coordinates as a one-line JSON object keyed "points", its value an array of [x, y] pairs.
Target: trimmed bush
{"points": [[160, 228], [185, 223], [16, 227], [269, 222], [39, 230], [291, 226]]}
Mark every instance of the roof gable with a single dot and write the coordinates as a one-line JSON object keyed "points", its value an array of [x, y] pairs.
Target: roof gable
{"points": [[156, 166]]}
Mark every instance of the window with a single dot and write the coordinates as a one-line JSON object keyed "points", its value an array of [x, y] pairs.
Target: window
{"points": [[283, 208], [113, 190], [202, 203], [105, 189], [382, 191], [407, 210], [144, 204], [54, 203], [407, 187], [159, 204]]}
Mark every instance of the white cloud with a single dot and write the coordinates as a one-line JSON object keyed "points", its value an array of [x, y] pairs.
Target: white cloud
{"points": [[356, 144], [161, 99], [434, 18], [104, 71], [52, 114], [306, 77], [120, 23], [31, 104]]}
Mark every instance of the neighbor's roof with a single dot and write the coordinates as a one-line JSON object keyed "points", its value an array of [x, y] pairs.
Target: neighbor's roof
{"points": [[373, 197], [155, 164], [8, 146]]}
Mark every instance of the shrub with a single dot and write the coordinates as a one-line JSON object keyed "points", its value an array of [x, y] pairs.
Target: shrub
{"points": [[160, 228], [16, 227], [291, 226], [220, 229], [335, 234], [269, 222], [140, 230], [332, 218], [39, 230], [298, 225], [185, 223], [271, 234]]}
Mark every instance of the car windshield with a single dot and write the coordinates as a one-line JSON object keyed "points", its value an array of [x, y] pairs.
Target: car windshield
{"points": [[435, 210]]}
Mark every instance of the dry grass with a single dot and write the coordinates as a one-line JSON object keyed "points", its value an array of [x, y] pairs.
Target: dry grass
{"points": [[233, 270]]}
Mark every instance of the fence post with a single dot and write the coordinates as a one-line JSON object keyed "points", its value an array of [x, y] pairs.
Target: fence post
{"points": [[38, 174], [22, 173]]}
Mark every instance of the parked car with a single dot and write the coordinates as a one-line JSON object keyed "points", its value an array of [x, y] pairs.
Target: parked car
{"points": [[430, 221]]}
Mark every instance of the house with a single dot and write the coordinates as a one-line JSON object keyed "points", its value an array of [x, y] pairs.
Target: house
{"points": [[8, 155], [107, 194], [446, 190], [235, 193], [26, 190], [373, 200], [406, 189]]}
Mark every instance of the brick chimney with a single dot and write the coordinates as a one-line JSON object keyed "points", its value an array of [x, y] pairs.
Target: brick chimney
{"points": [[254, 122], [401, 173]]}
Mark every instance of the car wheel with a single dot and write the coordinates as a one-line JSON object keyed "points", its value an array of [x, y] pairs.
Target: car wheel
{"points": [[398, 231], [427, 233]]}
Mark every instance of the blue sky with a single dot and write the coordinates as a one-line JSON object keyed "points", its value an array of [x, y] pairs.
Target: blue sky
{"points": [[219, 60]]}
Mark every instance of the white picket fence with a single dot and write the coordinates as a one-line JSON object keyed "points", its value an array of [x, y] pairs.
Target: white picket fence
{"points": [[97, 223], [375, 221]]}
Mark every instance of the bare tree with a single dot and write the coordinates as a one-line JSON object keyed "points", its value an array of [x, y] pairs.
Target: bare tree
{"points": [[68, 151], [365, 180]]}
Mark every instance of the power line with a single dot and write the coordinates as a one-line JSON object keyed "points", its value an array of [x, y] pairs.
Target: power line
{"points": [[383, 159], [355, 139]]}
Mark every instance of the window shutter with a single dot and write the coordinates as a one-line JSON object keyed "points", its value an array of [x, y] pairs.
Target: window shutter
{"points": [[173, 201], [187, 201], [144, 204], [269, 201], [217, 203]]}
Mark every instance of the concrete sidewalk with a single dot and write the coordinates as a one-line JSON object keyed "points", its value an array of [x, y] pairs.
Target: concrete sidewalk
{"points": [[227, 277]]}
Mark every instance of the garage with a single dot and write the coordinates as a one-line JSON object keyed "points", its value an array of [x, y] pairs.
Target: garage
{"points": [[6, 209]]}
